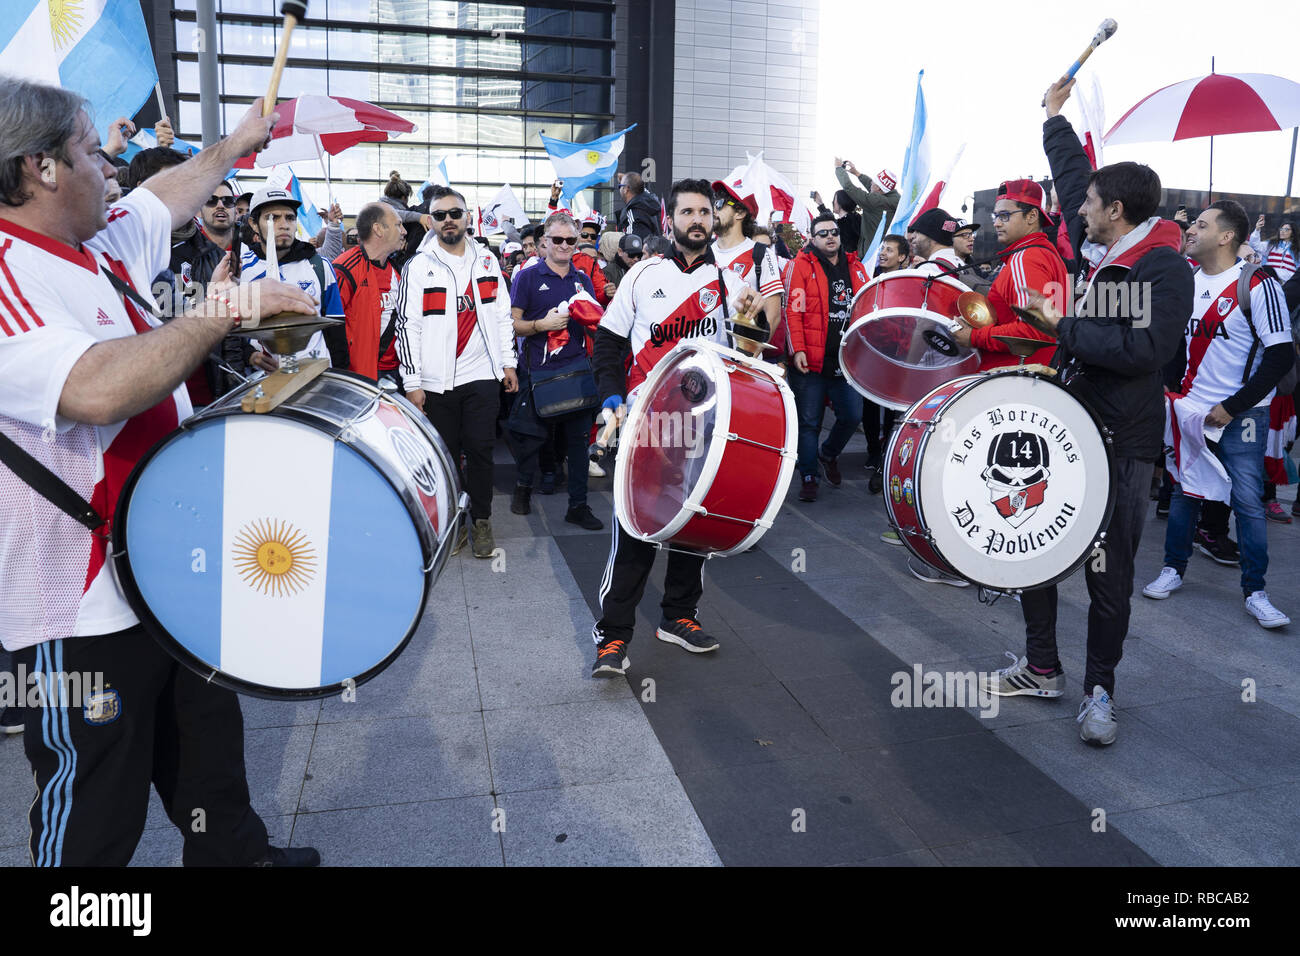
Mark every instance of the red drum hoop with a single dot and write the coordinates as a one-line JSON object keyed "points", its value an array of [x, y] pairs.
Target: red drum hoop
{"points": [[899, 344], [1006, 480], [707, 451]]}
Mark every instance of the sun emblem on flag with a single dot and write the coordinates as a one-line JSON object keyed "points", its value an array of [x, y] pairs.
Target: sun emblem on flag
{"points": [[274, 557], [593, 157], [65, 20]]}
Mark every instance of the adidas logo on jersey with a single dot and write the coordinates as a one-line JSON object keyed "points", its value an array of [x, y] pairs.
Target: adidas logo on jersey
{"points": [[658, 294], [1205, 294], [543, 287], [102, 318]]}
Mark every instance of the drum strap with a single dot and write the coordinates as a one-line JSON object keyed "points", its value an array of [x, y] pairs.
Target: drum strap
{"points": [[48, 485]]}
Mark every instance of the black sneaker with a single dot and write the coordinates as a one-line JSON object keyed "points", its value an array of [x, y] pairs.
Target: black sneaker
{"points": [[809, 490], [1219, 548], [686, 633], [611, 659], [290, 856], [548, 483], [521, 503], [583, 517], [875, 481], [831, 466]]}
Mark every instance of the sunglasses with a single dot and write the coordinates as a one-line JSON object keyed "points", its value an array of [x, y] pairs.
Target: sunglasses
{"points": [[214, 201], [441, 214], [726, 201], [823, 233], [563, 240]]}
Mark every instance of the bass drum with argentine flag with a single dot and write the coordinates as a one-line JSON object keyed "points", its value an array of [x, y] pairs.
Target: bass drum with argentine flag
{"points": [[289, 555]]}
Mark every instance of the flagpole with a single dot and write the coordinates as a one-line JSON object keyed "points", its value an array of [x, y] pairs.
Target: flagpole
{"points": [[209, 90], [320, 154], [1211, 146], [1290, 173]]}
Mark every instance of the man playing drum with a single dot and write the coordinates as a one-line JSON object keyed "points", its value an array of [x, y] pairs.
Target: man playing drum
{"points": [[1128, 324], [89, 381], [658, 303]]}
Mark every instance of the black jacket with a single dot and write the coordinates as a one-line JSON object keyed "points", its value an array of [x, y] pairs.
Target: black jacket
{"points": [[641, 216], [1130, 324]]}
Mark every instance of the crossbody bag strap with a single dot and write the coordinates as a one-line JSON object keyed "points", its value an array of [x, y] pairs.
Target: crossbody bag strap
{"points": [[48, 485]]}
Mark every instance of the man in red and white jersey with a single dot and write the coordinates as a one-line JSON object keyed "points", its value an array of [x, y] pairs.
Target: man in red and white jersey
{"points": [[89, 381], [1233, 366], [658, 303], [735, 248]]}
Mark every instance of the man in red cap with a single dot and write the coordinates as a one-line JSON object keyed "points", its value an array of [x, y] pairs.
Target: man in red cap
{"points": [[735, 249], [1031, 263]]}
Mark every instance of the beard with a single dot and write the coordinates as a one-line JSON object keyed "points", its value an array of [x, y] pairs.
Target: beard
{"points": [[453, 237], [686, 242]]}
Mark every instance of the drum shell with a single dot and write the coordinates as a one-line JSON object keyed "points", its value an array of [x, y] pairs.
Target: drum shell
{"points": [[342, 410], [907, 463], [744, 477], [887, 318]]}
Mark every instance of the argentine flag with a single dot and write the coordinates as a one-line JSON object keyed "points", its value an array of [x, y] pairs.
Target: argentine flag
{"points": [[581, 165], [916, 168], [97, 48]]}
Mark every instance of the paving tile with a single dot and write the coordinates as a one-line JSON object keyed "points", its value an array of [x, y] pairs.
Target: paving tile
{"points": [[983, 789], [749, 812], [645, 822], [735, 725], [678, 673], [910, 858], [455, 832], [1245, 828], [570, 744], [1253, 743], [1142, 768], [260, 713], [402, 760], [16, 791], [164, 846]]}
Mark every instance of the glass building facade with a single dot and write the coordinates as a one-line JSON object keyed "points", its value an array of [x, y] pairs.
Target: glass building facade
{"points": [[478, 80]]}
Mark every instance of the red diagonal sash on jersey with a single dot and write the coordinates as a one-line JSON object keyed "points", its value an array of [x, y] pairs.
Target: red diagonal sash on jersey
{"points": [[1207, 327]]}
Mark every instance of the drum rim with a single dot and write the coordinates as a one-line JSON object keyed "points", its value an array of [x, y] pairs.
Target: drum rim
{"points": [[721, 427], [1107, 445], [909, 274], [890, 312], [434, 554]]}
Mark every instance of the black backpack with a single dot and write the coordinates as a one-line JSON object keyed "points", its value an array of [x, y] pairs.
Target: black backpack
{"points": [[1287, 384]]}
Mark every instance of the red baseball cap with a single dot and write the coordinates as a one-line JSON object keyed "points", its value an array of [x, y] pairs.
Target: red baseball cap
{"points": [[1026, 191], [749, 202]]}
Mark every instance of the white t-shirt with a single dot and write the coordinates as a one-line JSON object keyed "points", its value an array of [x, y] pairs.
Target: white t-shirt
{"points": [[1219, 338], [740, 260], [56, 579], [473, 364]]}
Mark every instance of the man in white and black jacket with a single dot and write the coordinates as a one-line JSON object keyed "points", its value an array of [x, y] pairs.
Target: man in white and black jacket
{"points": [[1126, 327], [455, 342]]}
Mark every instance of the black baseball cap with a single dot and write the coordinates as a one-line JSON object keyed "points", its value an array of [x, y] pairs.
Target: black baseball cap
{"points": [[631, 244]]}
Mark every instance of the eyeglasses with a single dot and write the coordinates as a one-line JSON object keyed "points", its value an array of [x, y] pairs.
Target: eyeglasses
{"points": [[214, 201], [1004, 216], [823, 233], [563, 240], [441, 214], [725, 201]]}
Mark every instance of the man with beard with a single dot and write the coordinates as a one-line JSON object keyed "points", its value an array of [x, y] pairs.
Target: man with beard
{"points": [[456, 342], [1112, 352], [658, 303], [823, 281], [735, 248]]}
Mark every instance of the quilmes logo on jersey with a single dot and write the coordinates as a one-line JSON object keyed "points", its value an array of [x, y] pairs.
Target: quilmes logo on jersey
{"points": [[1034, 477], [670, 330]]}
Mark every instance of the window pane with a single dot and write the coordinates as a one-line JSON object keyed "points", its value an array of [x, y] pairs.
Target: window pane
{"points": [[548, 95], [590, 24], [263, 7], [246, 39], [351, 45], [353, 83], [403, 48], [588, 61], [359, 10], [548, 57], [308, 43], [590, 98], [540, 20]]}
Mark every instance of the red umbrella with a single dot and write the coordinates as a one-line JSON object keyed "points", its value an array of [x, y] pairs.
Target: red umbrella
{"points": [[1213, 105], [313, 125]]}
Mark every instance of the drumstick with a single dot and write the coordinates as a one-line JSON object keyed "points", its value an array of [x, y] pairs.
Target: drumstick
{"points": [[1104, 33], [294, 11]]}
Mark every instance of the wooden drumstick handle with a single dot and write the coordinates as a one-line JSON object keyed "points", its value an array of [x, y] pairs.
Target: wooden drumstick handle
{"points": [[294, 11]]}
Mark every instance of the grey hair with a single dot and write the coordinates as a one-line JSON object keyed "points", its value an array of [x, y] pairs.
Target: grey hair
{"points": [[34, 118], [560, 219]]}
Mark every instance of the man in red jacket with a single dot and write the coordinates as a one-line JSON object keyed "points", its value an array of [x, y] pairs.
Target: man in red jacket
{"points": [[823, 282], [1031, 262], [368, 289]]}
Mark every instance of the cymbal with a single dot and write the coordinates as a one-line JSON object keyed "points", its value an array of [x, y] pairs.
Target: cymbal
{"points": [[1035, 318], [975, 310], [289, 332], [1020, 345]]}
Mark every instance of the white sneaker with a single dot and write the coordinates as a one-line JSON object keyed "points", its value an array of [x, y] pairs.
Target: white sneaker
{"points": [[594, 470], [923, 572], [1165, 585], [1263, 610], [1097, 724], [891, 537]]}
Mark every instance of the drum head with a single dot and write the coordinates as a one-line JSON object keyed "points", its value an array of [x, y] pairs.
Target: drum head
{"points": [[898, 346], [1015, 482], [667, 442], [269, 557]]}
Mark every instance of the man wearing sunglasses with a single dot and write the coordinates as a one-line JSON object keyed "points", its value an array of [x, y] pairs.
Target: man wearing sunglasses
{"points": [[823, 281], [456, 343], [735, 248]]}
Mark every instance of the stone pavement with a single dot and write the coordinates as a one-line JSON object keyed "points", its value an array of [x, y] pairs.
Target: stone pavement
{"points": [[488, 744]]}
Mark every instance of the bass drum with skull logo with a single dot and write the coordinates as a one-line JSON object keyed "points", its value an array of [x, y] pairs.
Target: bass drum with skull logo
{"points": [[289, 555], [1005, 480]]}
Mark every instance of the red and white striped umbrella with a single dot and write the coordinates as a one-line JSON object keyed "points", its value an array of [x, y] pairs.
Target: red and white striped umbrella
{"points": [[1213, 105], [313, 125]]}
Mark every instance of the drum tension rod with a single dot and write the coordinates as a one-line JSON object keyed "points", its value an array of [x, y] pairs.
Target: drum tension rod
{"points": [[732, 436], [703, 512]]}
